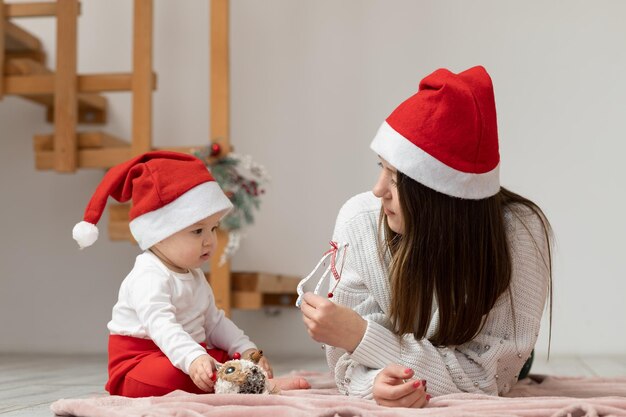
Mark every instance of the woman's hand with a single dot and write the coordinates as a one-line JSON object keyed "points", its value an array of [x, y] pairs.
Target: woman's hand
{"points": [[202, 371], [332, 324], [390, 389]]}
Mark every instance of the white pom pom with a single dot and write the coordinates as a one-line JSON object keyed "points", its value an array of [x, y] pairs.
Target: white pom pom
{"points": [[85, 234]]}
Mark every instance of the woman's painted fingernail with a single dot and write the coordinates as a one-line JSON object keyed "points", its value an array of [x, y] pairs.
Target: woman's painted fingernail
{"points": [[428, 397], [416, 384], [408, 371]]}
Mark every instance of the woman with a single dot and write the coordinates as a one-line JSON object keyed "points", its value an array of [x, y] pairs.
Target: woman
{"points": [[447, 273]]}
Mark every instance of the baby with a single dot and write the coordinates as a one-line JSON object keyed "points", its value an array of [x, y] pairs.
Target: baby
{"points": [[166, 332]]}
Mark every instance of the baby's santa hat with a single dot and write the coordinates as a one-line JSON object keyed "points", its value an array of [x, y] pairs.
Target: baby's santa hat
{"points": [[169, 190], [446, 136]]}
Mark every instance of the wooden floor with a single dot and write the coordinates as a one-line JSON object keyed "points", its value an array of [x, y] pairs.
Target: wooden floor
{"points": [[29, 384]]}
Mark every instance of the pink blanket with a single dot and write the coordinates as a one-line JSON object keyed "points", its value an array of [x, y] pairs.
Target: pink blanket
{"points": [[539, 396]]}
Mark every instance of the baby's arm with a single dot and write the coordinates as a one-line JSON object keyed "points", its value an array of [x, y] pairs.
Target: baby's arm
{"points": [[222, 333]]}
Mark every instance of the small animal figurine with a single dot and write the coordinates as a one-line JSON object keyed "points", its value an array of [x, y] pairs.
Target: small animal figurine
{"points": [[242, 376]]}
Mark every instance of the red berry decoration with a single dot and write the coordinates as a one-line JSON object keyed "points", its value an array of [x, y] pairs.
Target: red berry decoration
{"points": [[216, 149], [330, 295], [236, 355], [214, 377]]}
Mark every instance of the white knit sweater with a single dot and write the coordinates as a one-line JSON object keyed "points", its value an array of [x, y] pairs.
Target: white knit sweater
{"points": [[490, 363]]}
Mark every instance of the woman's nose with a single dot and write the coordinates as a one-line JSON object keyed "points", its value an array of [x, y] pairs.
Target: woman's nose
{"points": [[379, 189]]}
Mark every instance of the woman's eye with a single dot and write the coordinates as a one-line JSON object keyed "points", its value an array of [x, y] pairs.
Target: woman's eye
{"points": [[380, 164], [393, 182]]}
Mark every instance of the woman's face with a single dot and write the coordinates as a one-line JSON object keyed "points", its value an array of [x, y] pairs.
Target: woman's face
{"points": [[386, 189]]}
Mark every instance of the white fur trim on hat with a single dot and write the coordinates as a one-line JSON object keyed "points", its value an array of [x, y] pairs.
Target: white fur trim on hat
{"points": [[85, 234], [198, 203], [412, 161]]}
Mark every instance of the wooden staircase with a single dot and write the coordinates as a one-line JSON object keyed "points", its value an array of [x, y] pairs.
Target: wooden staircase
{"points": [[71, 98]]}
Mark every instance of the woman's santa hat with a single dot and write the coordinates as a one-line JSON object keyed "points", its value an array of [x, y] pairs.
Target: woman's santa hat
{"points": [[169, 190], [446, 135]]}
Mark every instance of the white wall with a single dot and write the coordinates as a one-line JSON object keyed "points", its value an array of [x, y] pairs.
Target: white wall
{"points": [[310, 83]]}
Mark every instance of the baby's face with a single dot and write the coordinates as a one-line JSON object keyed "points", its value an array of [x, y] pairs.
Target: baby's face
{"points": [[191, 247]]}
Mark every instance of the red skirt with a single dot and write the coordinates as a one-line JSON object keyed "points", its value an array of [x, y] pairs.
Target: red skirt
{"points": [[138, 368]]}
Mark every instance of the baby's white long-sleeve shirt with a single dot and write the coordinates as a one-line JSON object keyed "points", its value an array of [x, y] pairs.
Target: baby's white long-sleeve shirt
{"points": [[176, 311]]}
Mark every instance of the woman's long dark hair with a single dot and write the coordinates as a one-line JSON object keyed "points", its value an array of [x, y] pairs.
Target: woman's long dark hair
{"points": [[455, 250]]}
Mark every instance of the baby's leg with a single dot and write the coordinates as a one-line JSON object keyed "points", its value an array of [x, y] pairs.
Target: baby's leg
{"points": [[156, 376]]}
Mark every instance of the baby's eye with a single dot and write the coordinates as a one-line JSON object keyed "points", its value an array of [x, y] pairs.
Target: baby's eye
{"points": [[197, 231], [214, 228]]}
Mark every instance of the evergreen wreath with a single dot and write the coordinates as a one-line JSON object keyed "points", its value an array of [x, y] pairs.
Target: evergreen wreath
{"points": [[242, 181]]}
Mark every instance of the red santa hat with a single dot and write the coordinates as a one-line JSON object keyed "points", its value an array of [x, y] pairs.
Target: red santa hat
{"points": [[446, 136], [169, 190]]}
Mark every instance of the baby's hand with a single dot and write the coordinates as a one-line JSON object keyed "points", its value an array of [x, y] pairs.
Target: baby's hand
{"points": [[252, 354], [265, 364], [202, 371]]}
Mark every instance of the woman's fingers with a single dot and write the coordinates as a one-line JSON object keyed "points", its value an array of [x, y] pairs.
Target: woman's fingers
{"points": [[396, 372], [394, 388], [307, 310], [307, 322], [404, 389], [409, 394], [421, 400], [314, 300], [310, 317]]}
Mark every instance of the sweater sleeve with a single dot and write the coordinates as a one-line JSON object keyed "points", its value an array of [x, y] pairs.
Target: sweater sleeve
{"points": [[489, 363], [151, 296], [222, 333]]}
